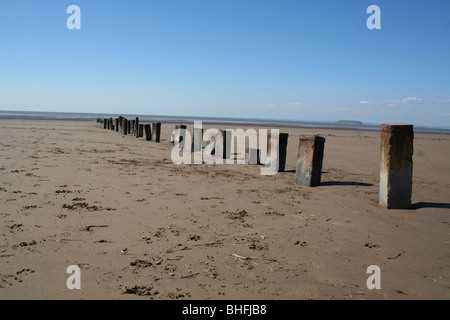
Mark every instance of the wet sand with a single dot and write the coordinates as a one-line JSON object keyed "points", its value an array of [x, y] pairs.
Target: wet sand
{"points": [[141, 227]]}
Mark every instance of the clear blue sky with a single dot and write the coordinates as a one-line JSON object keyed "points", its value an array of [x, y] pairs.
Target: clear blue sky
{"points": [[280, 59]]}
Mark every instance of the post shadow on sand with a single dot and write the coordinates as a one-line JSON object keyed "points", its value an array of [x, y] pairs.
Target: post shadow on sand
{"points": [[421, 205], [345, 183], [337, 183]]}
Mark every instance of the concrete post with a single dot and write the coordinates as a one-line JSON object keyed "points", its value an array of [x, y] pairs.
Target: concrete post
{"points": [[148, 132], [397, 147], [309, 161], [156, 131]]}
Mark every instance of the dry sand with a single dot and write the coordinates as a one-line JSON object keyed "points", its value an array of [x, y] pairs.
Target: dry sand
{"points": [[72, 193]]}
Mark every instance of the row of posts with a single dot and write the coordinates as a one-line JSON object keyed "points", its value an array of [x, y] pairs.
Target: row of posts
{"points": [[151, 131], [396, 155]]}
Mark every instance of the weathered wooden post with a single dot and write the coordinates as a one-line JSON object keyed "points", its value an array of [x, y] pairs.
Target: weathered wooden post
{"points": [[222, 150], [104, 124], [120, 123], [148, 132], [136, 127], [227, 136], [252, 156], [197, 140], [397, 148], [282, 149], [133, 127], [309, 161], [117, 124], [156, 132], [141, 130], [180, 136], [124, 126]]}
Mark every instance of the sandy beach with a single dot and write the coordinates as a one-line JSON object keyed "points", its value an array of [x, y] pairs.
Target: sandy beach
{"points": [[141, 227]]}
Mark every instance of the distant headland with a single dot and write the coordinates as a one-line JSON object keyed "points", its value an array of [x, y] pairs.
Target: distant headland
{"points": [[352, 122]]}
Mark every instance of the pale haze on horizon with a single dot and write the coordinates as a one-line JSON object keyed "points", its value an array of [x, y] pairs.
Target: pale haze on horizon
{"points": [[287, 60]]}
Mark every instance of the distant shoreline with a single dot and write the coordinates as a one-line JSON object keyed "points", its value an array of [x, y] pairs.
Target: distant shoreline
{"points": [[343, 124]]}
